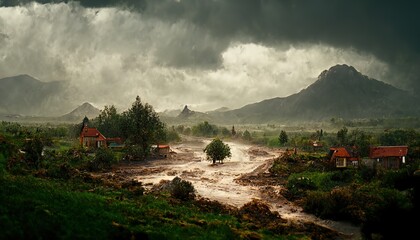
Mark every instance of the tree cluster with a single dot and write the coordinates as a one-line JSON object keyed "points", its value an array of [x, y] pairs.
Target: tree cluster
{"points": [[140, 126]]}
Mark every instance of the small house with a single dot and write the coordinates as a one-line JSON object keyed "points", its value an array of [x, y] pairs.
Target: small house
{"points": [[317, 146], [92, 138], [389, 157], [161, 150], [344, 157]]}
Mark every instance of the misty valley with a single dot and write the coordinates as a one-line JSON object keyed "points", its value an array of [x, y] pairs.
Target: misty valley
{"points": [[265, 171], [209, 119]]}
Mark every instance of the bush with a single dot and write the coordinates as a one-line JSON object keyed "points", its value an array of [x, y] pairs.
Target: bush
{"points": [[297, 186], [135, 153], [172, 136], [367, 173], [182, 190], [33, 152], [345, 176], [338, 204], [386, 210], [103, 160]]}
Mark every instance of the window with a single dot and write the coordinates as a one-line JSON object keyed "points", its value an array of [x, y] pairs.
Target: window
{"points": [[340, 162]]}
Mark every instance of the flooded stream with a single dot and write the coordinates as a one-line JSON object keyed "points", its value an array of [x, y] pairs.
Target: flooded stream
{"points": [[217, 182]]}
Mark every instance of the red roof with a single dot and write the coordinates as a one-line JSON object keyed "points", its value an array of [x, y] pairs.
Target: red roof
{"points": [[340, 152], [92, 132], [388, 151], [163, 146]]}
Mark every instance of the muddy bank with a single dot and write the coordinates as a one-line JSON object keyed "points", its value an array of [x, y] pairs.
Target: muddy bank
{"points": [[239, 180]]}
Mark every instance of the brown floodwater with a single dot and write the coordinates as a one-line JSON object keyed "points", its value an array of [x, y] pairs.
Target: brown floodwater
{"points": [[217, 182]]}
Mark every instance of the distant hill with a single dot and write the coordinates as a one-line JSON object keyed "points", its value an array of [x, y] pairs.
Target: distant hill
{"points": [[222, 109], [26, 95], [86, 109], [170, 113], [341, 92], [186, 112]]}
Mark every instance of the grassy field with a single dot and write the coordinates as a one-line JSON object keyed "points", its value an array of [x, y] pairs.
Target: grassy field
{"points": [[35, 208]]}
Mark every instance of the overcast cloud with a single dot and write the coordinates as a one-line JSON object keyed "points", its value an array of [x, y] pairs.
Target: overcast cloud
{"points": [[206, 54]]}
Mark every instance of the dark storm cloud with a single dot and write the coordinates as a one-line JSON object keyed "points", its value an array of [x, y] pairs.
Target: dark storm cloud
{"points": [[387, 29], [134, 4]]}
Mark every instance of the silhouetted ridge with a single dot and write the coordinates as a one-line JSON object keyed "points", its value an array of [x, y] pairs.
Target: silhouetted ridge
{"points": [[340, 91]]}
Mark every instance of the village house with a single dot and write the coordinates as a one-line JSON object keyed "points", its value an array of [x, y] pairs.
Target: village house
{"points": [[317, 146], [344, 157], [161, 150], [91, 138], [389, 157]]}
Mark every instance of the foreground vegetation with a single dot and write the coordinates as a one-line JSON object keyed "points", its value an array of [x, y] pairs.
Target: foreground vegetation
{"points": [[50, 188], [36, 204], [385, 203]]}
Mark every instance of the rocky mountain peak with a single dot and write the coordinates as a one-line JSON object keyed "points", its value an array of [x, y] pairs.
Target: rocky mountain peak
{"points": [[186, 112], [340, 72]]}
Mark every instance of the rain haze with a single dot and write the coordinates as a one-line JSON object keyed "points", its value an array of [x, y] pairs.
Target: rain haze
{"points": [[205, 54]]}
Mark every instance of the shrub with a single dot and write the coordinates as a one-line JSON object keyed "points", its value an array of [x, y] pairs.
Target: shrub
{"points": [[103, 160], [135, 153], [338, 204], [345, 176], [33, 152], [182, 190], [297, 186], [367, 173], [386, 210], [62, 170]]}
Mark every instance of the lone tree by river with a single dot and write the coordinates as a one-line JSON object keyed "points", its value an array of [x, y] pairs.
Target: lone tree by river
{"points": [[217, 151]]}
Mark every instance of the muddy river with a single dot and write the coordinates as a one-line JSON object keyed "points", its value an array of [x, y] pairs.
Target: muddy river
{"points": [[217, 182]]}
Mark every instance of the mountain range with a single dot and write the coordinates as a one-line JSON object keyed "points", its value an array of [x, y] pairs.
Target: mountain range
{"points": [[86, 109], [339, 92], [28, 96]]}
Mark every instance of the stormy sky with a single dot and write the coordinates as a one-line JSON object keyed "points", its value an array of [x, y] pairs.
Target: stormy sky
{"points": [[205, 53]]}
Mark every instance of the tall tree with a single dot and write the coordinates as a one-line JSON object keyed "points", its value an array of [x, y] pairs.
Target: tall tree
{"points": [[205, 129], [283, 138], [399, 137], [247, 135], [342, 136], [362, 140], [233, 131], [142, 127], [109, 122], [217, 151]]}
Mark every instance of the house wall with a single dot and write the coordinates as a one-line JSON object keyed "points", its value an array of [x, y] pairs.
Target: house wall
{"points": [[390, 162], [93, 142], [89, 141]]}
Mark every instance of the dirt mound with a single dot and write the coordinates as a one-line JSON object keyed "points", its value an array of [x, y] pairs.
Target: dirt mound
{"points": [[258, 152], [211, 206], [258, 213]]}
